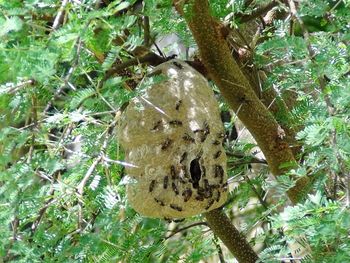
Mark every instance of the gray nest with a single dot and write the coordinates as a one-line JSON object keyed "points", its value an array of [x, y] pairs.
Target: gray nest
{"points": [[173, 136]]}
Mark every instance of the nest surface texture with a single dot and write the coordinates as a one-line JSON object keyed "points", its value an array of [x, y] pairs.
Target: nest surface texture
{"points": [[172, 135]]}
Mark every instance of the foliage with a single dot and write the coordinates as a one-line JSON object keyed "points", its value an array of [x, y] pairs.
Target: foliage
{"points": [[58, 119]]}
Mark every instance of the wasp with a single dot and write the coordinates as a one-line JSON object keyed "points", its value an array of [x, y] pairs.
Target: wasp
{"points": [[165, 182], [188, 138], [178, 104], [175, 189], [161, 203], [185, 173], [166, 144], [216, 142], [151, 185], [215, 186], [178, 65], [221, 135], [178, 220], [208, 193], [183, 157], [217, 154], [173, 172], [217, 199], [169, 220], [176, 207], [198, 130], [200, 191], [219, 171], [181, 178], [175, 123], [206, 184], [206, 129], [210, 203], [199, 198], [157, 126], [203, 132], [187, 194], [203, 137], [243, 99]]}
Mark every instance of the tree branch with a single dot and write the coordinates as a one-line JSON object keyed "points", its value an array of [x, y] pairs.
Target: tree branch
{"points": [[221, 225], [220, 254], [153, 60], [185, 228], [262, 10], [150, 58], [60, 13], [146, 30]]}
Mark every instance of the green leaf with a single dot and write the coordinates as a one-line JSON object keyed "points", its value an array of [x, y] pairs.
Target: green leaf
{"points": [[116, 6], [10, 24]]}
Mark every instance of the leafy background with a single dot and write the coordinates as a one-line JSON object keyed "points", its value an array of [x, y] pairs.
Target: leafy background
{"points": [[58, 118]]}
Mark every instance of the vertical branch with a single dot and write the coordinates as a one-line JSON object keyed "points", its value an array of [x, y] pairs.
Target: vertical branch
{"points": [[220, 254], [221, 225], [146, 31], [35, 124], [58, 18]]}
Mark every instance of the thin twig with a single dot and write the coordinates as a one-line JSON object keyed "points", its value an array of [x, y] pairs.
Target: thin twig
{"points": [[14, 226], [150, 58], [35, 122], [13, 89], [261, 199], [146, 31], [257, 12], [105, 158], [58, 18], [59, 91], [185, 228], [42, 210], [306, 34], [247, 3], [252, 158], [81, 185], [220, 254]]}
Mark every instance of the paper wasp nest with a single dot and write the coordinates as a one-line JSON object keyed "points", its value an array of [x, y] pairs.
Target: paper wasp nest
{"points": [[173, 135]]}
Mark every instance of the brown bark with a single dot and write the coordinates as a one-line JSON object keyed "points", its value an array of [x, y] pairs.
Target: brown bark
{"points": [[221, 225]]}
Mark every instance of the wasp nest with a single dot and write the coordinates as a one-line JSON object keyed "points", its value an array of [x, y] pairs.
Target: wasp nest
{"points": [[173, 138]]}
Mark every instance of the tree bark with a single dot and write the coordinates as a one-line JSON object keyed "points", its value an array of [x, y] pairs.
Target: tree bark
{"points": [[221, 225]]}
